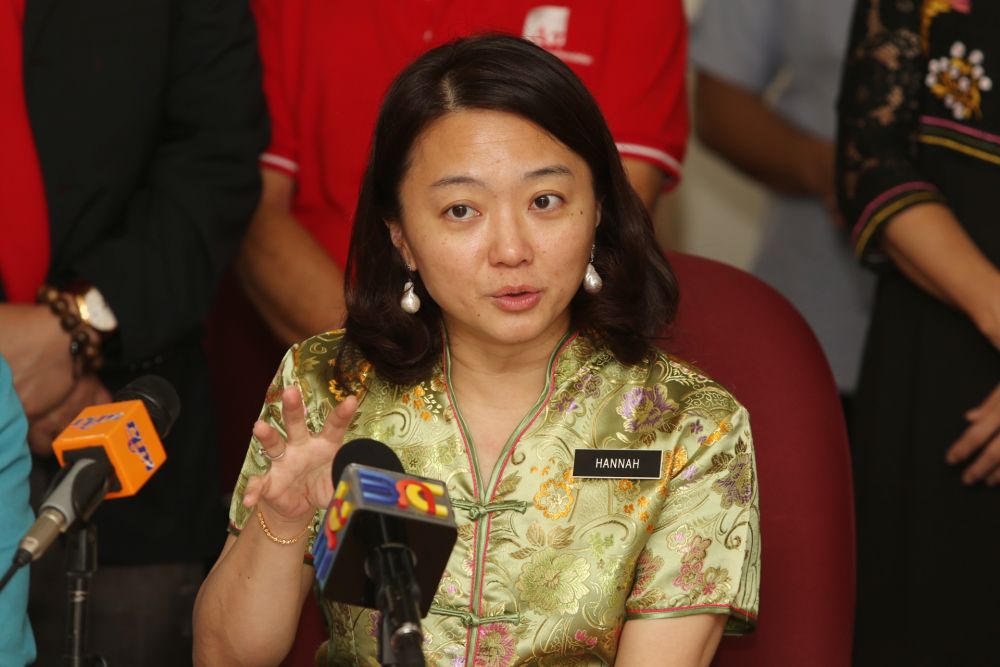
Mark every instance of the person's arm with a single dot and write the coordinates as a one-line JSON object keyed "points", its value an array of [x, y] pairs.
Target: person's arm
{"points": [[877, 176], [87, 390], [643, 92], [689, 641], [248, 607], [928, 244], [32, 338], [646, 179], [736, 123], [292, 281], [896, 213], [190, 206]]}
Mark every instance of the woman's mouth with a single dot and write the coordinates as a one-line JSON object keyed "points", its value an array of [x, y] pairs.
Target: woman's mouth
{"points": [[517, 298]]}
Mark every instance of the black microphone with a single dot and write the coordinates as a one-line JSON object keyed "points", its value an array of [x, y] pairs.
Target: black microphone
{"points": [[108, 450], [396, 530]]}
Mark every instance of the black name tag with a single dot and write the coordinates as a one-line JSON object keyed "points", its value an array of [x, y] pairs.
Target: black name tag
{"points": [[617, 463]]}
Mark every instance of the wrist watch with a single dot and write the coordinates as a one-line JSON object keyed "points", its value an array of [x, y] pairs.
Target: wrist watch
{"points": [[95, 311]]}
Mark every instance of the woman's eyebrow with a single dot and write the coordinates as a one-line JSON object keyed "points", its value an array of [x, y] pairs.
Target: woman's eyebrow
{"points": [[457, 180], [551, 170]]}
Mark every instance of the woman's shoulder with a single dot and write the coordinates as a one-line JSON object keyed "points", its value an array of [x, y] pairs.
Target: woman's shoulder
{"points": [[326, 367], [685, 384]]}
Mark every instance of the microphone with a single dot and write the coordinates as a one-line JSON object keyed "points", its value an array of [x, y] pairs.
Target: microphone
{"points": [[108, 451], [396, 529]]}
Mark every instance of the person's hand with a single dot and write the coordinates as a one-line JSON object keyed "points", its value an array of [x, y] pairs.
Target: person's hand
{"points": [[299, 477], [37, 350], [983, 436], [42, 430]]}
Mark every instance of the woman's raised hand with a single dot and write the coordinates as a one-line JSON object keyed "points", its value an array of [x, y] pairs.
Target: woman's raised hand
{"points": [[298, 480]]}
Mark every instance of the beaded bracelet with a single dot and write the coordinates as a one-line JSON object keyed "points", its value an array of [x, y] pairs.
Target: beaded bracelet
{"points": [[274, 538], [83, 348]]}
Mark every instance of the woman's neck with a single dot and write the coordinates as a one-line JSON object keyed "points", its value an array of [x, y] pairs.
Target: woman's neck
{"points": [[500, 373]]}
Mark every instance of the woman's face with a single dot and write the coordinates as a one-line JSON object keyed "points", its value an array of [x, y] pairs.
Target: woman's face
{"points": [[498, 218]]}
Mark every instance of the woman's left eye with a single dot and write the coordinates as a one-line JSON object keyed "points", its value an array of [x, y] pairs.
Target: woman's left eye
{"points": [[546, 202]]}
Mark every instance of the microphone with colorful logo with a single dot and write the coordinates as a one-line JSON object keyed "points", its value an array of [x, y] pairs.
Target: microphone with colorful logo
{"points": [[108, 451], [384, 543]]}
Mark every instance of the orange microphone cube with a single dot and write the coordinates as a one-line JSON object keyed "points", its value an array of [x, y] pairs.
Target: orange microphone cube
{"points": [[122, 433]]}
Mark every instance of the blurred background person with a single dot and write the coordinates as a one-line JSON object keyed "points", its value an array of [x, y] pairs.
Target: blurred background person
{"points": [[323, 94], [918, 155], [504, 295], [17, 645], [127, 179], [766, 77]]}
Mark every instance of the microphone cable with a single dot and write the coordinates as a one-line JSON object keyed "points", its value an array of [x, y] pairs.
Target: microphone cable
{"points": [[21, 558]]}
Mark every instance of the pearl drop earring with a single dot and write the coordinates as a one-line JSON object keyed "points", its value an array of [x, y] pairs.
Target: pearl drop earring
{"points": [[592, 282], [410, 302]]}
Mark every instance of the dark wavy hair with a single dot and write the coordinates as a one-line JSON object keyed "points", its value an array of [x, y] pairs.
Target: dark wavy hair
{"points": [[508, 74]]}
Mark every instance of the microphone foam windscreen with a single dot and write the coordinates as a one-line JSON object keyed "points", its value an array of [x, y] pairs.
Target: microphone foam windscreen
{"points": [[159, 397], [368, 452]]}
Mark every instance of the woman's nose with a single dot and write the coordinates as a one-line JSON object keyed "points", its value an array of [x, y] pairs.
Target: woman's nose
{"points": [[510, 243]]}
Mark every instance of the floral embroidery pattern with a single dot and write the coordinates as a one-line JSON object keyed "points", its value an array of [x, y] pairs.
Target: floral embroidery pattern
{"points": [[646, 569], [567, 404], [737, 486], [959, 81], [555, 496], [700, 584], [583, 638], [589, 385], [422, 401], [495, 647], [647, 410], [553, 582], [720, 430]]}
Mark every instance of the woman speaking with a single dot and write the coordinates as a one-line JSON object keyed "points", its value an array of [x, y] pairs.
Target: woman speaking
{"points": [[504, 288]]}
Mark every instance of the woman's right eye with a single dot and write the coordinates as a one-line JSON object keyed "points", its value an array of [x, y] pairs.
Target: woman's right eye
{"points": [[460, 212]]}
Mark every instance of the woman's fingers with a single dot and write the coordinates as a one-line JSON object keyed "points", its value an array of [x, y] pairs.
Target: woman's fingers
{"points": [[293, 413], [254, 490], [986, 464], [305, 469], [339, 419], [991, 404], [984, 422], [271, 443]]}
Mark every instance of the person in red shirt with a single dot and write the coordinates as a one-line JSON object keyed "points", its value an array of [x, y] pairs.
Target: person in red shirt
{"points": [[327, 65]]}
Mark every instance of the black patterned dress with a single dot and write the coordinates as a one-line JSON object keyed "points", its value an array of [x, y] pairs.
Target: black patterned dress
{"points": [[920, 122]]}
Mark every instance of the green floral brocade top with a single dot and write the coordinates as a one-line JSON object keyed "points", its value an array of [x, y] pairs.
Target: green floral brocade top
{"points": [[547, 568]]}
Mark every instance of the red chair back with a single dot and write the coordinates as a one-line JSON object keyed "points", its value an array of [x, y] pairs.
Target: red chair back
{"points": [[745, 335]]}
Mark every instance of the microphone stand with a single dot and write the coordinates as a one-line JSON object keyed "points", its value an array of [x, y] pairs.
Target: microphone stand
{"points": [[397, 594], [81, 563]]}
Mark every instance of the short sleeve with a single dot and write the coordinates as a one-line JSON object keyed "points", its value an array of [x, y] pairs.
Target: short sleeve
{"points": [[738, 41], [703, 555], [643, 93], [878, 116], [17, 646], [279, 37]]}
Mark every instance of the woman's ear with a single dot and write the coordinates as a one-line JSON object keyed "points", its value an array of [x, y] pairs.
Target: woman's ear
{"points": [[399, 240]]}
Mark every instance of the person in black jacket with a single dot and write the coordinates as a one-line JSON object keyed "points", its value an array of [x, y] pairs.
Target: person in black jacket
{"points": [[147, 124]]}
